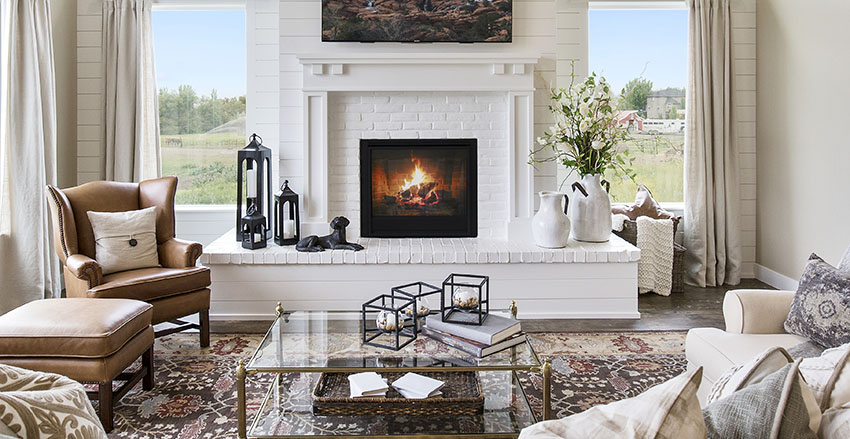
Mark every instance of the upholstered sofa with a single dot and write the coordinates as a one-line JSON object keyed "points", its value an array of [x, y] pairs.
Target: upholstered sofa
{"points": [[754, 322]]}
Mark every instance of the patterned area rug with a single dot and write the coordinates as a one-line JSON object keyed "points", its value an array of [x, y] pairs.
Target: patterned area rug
{"points": [[195, 393]]}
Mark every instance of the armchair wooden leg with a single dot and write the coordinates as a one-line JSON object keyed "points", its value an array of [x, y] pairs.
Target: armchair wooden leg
{"points": [[104, 391], [204, 317], [147, 363]]}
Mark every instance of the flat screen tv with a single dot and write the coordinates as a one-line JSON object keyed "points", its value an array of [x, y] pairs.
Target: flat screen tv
{"points": [[417, 21]]}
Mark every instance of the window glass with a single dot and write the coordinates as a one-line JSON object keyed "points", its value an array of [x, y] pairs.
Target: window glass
{"points": [[200, 72], [644, 53]]}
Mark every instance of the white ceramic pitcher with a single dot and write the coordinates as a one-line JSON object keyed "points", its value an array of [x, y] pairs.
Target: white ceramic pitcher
{"points": [[551, 225], [591, 210]]}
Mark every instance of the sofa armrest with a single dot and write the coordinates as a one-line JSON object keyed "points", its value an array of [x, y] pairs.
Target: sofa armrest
{"points": [[85, 268], [177, 253], [756, 311]]}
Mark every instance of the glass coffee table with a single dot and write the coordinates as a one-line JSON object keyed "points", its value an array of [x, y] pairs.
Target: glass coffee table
{"points": [[300, 346]]}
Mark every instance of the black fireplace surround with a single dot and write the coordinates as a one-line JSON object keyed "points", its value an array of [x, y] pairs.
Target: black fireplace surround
{"points": [[419, 188]]}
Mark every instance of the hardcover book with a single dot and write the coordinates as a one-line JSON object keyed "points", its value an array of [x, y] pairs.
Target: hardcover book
{"points": [[495, 328], [473, 347]]}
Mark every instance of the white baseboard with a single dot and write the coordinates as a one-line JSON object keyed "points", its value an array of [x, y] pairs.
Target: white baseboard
{"points": [[774, 279]]}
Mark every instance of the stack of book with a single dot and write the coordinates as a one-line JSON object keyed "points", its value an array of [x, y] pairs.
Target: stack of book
{"points": [[497, 333]]}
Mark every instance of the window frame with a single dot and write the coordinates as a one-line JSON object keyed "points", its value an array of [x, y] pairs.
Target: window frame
{"points": [[675, 207], [204, 5]]}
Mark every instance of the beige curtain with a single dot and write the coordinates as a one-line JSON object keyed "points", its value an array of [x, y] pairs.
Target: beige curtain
{"points": [[131, 116], [711, 171], [29, 268]]}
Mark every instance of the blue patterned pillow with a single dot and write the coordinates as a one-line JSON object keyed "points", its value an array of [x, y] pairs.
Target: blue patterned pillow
{"points": [[820, 310]]}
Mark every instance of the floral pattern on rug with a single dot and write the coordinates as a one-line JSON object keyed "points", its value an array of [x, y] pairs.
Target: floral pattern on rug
{"points": [[195, 395]]}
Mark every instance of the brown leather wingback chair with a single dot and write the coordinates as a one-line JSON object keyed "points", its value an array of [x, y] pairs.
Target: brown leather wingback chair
{"points": [[176, 289]]}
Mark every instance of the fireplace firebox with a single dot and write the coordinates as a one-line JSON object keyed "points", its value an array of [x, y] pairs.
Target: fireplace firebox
{"points": [[418, 188]]}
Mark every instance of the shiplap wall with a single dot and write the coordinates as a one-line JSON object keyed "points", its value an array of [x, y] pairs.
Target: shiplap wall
{"points": [[278, 31]]}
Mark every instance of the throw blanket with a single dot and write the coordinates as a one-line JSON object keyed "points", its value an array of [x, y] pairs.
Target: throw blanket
{"points": [[37, 405], [655, 241]]}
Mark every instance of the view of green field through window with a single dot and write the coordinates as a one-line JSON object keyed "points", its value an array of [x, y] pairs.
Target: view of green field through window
{"points": [[644, 53], [200, 65]]}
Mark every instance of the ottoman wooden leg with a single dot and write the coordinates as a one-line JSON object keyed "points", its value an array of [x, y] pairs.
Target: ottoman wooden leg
{"points": [[104, 391], [147, 363], [204, 318]]}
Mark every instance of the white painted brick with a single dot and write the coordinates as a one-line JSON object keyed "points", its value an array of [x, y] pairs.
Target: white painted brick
{"points": [[360, 108], [388, 126], [460, 116], [418, 125], [403, 99], [447, 108], [418, 107], [403, 117], [389, 108]]}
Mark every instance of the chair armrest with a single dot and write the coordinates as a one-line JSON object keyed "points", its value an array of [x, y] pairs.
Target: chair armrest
{"points": [[756, 311], [177, 253], [85, 268]]}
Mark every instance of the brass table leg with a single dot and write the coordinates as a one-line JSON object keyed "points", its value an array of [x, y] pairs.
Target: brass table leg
{"points": [[547, 390], [241, 373]]}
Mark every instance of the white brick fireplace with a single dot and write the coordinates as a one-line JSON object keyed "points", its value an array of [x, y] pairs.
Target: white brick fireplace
{"points": [[486, 96]]}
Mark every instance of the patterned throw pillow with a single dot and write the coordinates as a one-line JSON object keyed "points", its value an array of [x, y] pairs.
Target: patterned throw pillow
{"points": [[820, 310], [844, 265], [668, 410], [775, 407]]}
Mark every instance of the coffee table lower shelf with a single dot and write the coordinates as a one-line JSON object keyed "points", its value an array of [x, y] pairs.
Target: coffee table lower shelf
{"points": [[286, 412]]}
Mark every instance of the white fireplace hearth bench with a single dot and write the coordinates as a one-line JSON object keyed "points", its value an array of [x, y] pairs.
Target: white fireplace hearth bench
{"points": [[583, 280]]}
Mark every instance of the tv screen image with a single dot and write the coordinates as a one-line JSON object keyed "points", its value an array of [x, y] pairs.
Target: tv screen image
{"points": [[462, 21]]}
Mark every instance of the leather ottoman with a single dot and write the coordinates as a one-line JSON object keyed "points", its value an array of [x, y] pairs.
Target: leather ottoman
{"points": [[87, 340]]}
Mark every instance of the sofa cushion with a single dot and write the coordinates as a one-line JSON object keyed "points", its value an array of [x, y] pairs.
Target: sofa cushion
{"points": [[152, 283], [751, 372], [717, 350], [820, 310], [667, 410], [835, 423], [88, 328], [775, 407]]}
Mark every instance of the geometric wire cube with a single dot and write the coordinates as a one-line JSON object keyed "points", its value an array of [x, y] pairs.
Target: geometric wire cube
{"points": [[465, 299], [419, 292], [391, 308]]}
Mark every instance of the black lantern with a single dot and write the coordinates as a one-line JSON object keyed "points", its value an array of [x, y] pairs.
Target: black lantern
{"points": [[287, 224], [256, 160], [465, 299], [254, 230]]}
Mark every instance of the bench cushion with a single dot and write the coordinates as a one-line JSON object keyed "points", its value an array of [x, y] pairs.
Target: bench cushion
{"points": [[72, 327], [152, 283]]}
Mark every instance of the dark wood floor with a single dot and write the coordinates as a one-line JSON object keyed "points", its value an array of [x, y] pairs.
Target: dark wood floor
{"points": [[696, 307]]}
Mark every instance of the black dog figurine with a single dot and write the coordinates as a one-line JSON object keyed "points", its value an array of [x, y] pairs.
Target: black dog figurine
{"points": [[334, 241]]}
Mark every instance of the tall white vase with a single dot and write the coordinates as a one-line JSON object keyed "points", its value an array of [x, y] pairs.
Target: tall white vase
{"points": [[551, 225], [590, 212]]}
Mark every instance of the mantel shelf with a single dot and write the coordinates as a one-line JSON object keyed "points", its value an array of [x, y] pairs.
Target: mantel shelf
{"points": [[421, 58]]}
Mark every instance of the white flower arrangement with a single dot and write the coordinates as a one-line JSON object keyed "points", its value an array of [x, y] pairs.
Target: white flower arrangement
{"points": [[586, 136]]}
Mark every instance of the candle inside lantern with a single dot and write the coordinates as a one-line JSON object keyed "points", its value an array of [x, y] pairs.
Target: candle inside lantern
{"points": [[252, 183], [288, 229]]}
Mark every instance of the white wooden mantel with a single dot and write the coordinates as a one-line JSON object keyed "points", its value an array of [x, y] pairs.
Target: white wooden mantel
{"points": [[510, 73]]}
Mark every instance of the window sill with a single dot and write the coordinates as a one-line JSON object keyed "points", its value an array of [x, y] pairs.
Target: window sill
{"points": [[208, 208]]}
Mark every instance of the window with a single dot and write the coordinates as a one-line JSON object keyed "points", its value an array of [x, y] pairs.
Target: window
{"points": [[641, 48], [201, 75]]}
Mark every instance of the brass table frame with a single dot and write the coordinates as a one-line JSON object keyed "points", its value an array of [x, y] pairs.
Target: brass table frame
{"points": [[544, 368]]}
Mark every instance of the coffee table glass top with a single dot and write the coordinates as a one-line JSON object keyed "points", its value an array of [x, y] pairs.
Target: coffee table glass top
{"points": [[315, 341], [287, 412]]}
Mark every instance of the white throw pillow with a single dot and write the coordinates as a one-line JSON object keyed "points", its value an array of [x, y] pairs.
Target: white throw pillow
{"points": [[668, 410], [836, 423], [125, 240], [829, 376]]}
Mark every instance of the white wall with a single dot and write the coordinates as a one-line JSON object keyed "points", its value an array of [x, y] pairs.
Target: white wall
{"points": [[803, 148]]}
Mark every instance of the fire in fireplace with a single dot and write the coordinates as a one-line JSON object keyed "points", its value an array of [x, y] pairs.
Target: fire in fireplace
{"points": [[418, 188]]}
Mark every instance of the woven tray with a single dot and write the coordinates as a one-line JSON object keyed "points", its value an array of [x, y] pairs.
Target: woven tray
{"points": [[461, 396]]}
